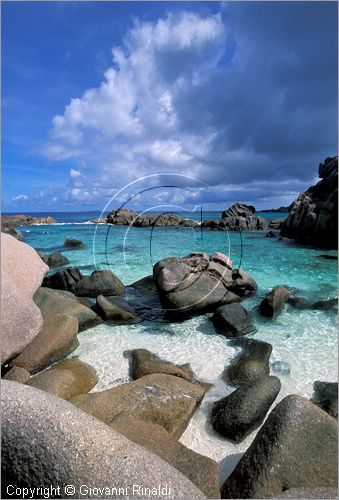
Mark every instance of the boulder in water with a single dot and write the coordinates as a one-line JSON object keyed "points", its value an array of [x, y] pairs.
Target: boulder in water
{"points": [[100, 282], [65, 279], [274, 302], [233, 320], [73, 243], [326, 397]]}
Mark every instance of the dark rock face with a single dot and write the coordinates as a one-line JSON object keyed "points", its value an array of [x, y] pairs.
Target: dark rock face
{"points": [[326, 397], [296, 447], [277, 223], [244, 410], [122, 216], [313, 218], [320, 305], [65, 279], [13, 232], [197, 283], [274, 302], [251, 364], [110, 311], [238, 217], [238, 210], [233, 320], [100, 282], [243, 284], [56, 259], [270, 234], [144, 362], [202, 471], [72, 243]]}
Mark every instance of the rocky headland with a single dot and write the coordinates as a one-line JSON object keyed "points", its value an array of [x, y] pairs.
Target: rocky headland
{"points": [[58, 429], [9, 223], [313, 217]]}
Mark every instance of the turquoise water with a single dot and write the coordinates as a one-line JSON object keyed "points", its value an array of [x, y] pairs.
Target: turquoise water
{"points": [[306, 339]]}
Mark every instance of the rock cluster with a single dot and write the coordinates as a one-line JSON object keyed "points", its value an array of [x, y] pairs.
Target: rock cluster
{"points": [[9, 223], [313, 217]]}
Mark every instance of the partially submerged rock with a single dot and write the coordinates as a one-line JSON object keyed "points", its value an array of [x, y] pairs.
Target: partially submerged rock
{"points": [[113, 312], [158, 398], [48, 441], [252, 362], [100, 282], [198, 283], [144, 362], [65, 279], [22, 272], [66, 379], [73, 243], [57, 338], [244, 410], [296, 447], [274, 302], [233, 320], [201, 470], [326, 397], [56, 259]]}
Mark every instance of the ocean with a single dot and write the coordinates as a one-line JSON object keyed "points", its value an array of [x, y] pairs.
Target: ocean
{"points": [[306, 339]]}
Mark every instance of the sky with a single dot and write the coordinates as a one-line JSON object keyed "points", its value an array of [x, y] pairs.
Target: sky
{"points": [[157, 104]]}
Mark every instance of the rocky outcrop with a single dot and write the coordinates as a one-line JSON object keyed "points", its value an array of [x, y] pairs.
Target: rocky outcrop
{"points": [[313, 217], [110, 311], [54, 302], [326, 397], [66, 379], [319, 305], [73, 243], [158, 398], [238, 217], [100, 282], [251, 364], [199, 283], [122, 216], [144, 362], [9, 223], [233, 320], [22, 272], [48, 441], [244, 410], [57, 338], [274, 302], [202, 471], [296, 447], [56, 259]]}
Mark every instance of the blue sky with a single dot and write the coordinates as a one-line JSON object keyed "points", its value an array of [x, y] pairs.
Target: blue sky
{"points": [[105, 99]]}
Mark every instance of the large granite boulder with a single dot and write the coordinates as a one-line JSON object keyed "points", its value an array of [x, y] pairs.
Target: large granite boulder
{"points": [[54, 302], [158, 398], [73, 243], [325, 396], [144, 362], [22, 272], [66, 379], [110, 311], [17, 374], [48, 441], [313, 217], [274, 302], [65, 279], [202, 471], [252, 363], [196, 283], [100, 282], [233, 320], [158, 220], [57, 338], [296, 447], [244, 410], [242, 217], [56, 259]]}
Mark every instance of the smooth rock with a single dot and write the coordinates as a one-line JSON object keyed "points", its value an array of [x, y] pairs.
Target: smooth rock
{"points": [[201, 470], [17, 374], [22, 272], [296, 447], [326, 397], [57, 338], [252, 362], [274, 302], [73, 243], [233, 320], [158, 398], [244, 410], [144, 362], [66, 379], [57, 259], [64, 279], [100, 282], [48, 441], [110, 311], [53, 302]]}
